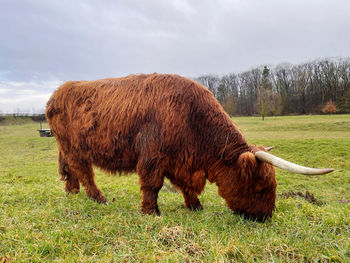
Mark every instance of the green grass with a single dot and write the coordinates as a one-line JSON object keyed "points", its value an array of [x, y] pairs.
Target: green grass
{"points": [[39, 223]]}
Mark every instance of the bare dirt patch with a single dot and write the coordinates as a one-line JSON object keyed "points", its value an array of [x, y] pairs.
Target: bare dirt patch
{"points": [[171, 236], [309, 197], [176, 237]]}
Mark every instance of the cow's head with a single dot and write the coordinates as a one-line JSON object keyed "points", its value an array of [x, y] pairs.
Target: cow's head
{"points": [[249, 187]]}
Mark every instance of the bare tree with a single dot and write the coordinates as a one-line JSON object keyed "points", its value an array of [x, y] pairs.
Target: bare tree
{"points": [[297, 89], [211, 82]]}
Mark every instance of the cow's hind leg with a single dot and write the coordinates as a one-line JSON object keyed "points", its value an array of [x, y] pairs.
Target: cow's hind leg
{"points": [[72, 182], [83, 171], [151, 180]]}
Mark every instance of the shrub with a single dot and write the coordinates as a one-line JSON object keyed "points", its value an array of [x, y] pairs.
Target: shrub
{"points": [[329, 108]]}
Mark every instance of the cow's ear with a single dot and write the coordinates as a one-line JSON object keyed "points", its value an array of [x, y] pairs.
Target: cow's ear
{"points": [[247, 165]]}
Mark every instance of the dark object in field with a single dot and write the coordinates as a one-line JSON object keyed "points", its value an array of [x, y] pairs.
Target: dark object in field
{"points": [[45, 132], [160, 126], [307, 196]]}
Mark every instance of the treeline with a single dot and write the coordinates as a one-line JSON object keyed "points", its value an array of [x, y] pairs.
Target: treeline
{"points": [[39, 117], [285, 89]]}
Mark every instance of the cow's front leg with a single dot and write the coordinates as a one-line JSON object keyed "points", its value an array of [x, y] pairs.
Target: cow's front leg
{"points": [[149, 200], [192, 202], [151, 182], [190, 191]]}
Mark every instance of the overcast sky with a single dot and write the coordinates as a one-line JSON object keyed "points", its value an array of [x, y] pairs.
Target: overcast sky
{"points": [[44, 42]]}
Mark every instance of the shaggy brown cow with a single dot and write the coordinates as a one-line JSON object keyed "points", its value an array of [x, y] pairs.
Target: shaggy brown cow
{"points": [[160, 126]]}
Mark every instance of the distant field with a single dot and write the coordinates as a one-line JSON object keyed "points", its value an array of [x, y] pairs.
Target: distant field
{"points": [[39, 223]]}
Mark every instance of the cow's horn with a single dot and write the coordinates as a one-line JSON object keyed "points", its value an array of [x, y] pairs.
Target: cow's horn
{"points": [[291, 167], [269, 148]]}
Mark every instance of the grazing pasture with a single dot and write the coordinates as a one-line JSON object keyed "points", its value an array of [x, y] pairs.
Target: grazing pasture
{"points": [[311, 222]]}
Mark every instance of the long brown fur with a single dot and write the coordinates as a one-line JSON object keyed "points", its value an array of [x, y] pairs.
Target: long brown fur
{"points": [[159, 126]]}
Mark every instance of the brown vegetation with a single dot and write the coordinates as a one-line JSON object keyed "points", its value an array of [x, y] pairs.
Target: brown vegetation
{"points": [[329, 108]]}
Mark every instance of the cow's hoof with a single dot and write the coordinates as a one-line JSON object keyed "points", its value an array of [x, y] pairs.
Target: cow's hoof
{"points": [[73, 191], [98, 197], [195, 207], [151, 211], [101, 200]]}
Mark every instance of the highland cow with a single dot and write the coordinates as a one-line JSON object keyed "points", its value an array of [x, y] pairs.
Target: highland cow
{"points": [[160, 126]]}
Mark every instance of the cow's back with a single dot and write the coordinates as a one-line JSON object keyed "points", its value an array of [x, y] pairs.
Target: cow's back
{"points": [[105, 120]]}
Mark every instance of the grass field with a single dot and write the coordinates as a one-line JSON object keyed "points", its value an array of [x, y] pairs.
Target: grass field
{"points": [[311, 223]]}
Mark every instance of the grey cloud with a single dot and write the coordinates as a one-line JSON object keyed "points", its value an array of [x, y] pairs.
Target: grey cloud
{"points": [[53, 41]]}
